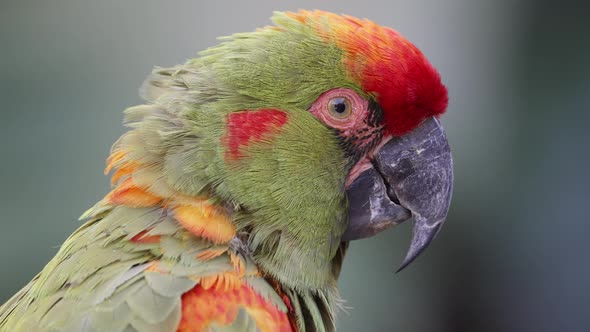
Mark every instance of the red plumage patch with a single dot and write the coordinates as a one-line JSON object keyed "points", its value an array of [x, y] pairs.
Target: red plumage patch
{"points": [[204, 306], [251, 126], [386, 65]]}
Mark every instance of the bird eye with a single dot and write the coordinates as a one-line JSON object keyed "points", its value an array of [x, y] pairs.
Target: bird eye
{"points": [[340, 107]]}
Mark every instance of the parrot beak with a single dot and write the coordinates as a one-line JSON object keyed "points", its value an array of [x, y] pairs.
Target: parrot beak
{"points": [[412, 176]]}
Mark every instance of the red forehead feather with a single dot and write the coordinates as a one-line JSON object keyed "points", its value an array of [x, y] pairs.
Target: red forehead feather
{"points": [[386, 65]]}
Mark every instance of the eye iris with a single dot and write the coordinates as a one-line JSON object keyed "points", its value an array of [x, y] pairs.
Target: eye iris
{"points": [[339, 107]]}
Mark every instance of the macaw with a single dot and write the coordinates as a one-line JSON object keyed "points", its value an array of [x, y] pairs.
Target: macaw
{"points": [[242, 179]]}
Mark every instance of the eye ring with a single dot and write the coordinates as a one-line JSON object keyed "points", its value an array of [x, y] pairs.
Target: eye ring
{"points": [[339, 107]]}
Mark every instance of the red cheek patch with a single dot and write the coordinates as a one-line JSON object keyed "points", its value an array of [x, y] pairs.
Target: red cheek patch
{"points": [[251, 126]]}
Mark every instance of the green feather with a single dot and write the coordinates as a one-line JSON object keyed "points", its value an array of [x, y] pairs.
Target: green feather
{"points": [[294, 231], [286, 195]]}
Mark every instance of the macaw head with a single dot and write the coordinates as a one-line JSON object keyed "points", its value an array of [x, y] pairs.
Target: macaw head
{"points": [[316, 131]]}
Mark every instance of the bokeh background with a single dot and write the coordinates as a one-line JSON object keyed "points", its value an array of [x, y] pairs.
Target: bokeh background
{"points": [[513, 254]]}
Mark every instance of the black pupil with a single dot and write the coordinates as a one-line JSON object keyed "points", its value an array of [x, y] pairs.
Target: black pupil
{"points": [[339, 105]]}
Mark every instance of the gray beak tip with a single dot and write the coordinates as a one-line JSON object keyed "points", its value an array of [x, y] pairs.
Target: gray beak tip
{"points": [[422, 236]]}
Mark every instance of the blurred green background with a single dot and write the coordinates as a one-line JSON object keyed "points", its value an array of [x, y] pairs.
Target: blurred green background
{"points": [[512, 256]]}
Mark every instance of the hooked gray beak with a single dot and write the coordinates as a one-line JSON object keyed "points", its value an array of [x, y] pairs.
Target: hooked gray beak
{"points": [[412, 176]]}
